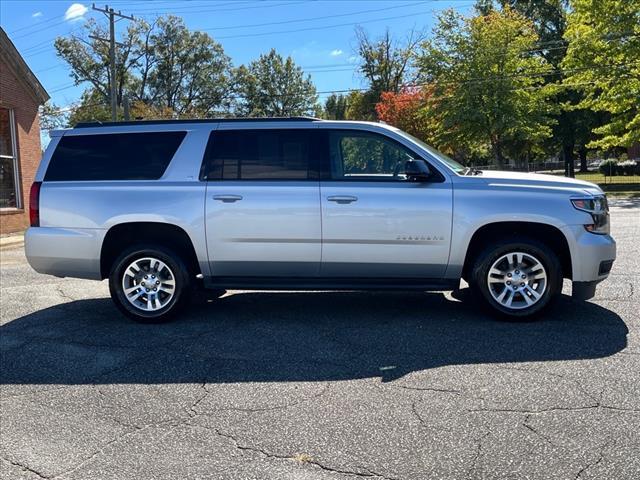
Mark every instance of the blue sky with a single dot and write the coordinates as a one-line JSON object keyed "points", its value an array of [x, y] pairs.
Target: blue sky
{"points": [[318, 34]]}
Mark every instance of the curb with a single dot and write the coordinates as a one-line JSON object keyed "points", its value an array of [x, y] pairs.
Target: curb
{"points": [[11, 241]]}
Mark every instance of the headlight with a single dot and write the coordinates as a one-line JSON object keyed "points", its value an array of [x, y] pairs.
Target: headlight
{"points": [[599, 210]]}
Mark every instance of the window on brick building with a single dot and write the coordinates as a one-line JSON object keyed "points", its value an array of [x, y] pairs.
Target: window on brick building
{"points": [[9, 190]]}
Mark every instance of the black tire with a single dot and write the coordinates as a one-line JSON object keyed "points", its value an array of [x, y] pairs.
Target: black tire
{"points": [[181, 292], [480, 271]]}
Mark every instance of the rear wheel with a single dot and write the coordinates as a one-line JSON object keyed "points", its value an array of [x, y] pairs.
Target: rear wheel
{"points": [[149, 284], [517, 278]]}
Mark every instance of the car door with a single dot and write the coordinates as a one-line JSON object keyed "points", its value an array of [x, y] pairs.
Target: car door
{"points": [[375, 222], [262, 203]]}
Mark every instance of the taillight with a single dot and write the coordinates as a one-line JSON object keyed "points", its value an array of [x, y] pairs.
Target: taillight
{"points": [[34, 204]]}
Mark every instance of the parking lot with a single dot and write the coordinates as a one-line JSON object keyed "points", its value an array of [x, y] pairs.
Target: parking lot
{"points": [[281, 385]]}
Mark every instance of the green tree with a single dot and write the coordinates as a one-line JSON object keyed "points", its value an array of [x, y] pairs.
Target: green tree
{"points": [[90, 108], [549, 18], [52, 116], [335, 107], [162, 64], [488, 90], [572, 127], [274, 87], [386, 65], [359, 105], [603, 61], [88, 58], [484, 7], [190, 72]]}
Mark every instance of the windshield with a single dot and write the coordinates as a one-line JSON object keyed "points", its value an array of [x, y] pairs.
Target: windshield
{"points": [[450, 162]]}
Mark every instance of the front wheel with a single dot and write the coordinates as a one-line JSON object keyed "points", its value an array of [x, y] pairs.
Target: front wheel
{"points": [[517, 278], [149, 284]]}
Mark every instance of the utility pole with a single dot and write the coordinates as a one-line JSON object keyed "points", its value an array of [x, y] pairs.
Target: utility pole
{"points": [[112, 14]]}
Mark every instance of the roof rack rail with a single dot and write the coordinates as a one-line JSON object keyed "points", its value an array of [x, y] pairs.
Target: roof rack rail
{"points": [[198, 120]]}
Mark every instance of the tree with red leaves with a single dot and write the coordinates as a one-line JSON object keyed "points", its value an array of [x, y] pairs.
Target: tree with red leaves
{"points": [[408, 110]]}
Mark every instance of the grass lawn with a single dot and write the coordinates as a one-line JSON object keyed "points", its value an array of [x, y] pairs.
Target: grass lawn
{"points": [[597, 177], [629, 183]]}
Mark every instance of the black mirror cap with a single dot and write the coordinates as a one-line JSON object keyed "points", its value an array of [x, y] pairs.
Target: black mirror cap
{"points": [[417, 170]]}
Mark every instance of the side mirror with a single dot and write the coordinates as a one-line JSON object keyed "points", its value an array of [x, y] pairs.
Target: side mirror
{"points": [[417, 170]]}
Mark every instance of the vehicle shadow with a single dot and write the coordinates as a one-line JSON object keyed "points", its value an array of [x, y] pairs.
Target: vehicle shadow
{"points": [[280, 337]]}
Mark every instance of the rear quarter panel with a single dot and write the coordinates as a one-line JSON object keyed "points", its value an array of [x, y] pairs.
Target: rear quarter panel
{"points": [[88, 209]]}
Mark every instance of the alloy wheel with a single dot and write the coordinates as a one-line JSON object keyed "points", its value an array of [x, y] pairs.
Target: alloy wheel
{"points": [[517, 280], [148, 284]]}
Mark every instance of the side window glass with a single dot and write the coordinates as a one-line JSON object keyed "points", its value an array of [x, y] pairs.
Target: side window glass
{"points": [[113, 156], [258, 155], [362, 155]]}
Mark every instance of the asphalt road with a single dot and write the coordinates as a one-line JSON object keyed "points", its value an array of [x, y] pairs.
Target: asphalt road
{"points": [[320, 385]]}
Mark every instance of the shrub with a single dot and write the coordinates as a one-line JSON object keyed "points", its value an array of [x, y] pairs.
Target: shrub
{"points": [[609, 167], [628, 167]]}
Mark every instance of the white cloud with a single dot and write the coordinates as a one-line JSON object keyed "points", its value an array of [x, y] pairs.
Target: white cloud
{"points": [[36, 14], [75, 12], [336, 53]]}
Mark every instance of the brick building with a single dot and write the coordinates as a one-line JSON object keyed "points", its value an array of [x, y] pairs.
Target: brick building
{"points": [[20, 96]]}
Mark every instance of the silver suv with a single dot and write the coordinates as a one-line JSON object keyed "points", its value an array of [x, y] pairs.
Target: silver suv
{"points": [[162, 207]]}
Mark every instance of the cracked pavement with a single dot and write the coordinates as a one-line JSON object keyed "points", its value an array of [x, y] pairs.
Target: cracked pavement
{"points": [[283, 385]]}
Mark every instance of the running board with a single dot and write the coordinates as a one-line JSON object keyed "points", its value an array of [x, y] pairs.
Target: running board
{"points": [[341, 283]]}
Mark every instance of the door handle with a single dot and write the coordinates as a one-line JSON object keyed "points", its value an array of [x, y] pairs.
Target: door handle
{"points": [[227, 198], [342, 199]]}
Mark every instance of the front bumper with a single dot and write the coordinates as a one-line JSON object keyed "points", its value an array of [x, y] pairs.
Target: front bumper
{"points": [[583, 290], [592, 257], [588, 252], [587, 290]]}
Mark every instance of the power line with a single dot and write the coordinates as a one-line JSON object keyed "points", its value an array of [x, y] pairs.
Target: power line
{"points": [[53, 67], [218, 10], [39, 26], [61, 22], [65, 86], [29, 52], [189, 8], [348, 69], [503, 77], [36, 49], [36, 25], [395, 7], [338, 67], [324, 27]]}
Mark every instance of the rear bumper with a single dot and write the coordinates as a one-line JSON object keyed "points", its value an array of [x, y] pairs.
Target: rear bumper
{"points": [[64, 252]]}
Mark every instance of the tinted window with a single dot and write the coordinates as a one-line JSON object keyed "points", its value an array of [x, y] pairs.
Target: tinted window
{"points": [[355, 154], [258, 155], [118, 156]]}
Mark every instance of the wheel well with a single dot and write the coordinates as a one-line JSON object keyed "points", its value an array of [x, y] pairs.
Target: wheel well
{"points": [[124, 235], [551, 236]]}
